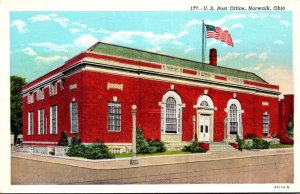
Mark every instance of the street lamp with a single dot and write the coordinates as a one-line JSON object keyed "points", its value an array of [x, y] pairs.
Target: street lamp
{"points": [[133, 159]]}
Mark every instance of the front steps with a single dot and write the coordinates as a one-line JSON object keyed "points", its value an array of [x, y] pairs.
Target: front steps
{"points": [[220, 147]]}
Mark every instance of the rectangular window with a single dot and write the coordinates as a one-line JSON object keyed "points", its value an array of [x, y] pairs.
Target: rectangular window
{"points": [[114, 116], [53, 88], [30, 123], [40, 94], [53, 119], [266, 124], [30, 98], [41, 121], [74, 117]]}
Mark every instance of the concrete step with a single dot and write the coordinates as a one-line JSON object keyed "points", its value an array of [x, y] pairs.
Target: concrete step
{"points": [[220, 146]]}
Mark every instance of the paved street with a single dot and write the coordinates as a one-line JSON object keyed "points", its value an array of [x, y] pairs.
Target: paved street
{"points": [[266, 166]]}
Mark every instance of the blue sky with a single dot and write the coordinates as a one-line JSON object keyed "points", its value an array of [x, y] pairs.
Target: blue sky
{"points": [[42, 41]]}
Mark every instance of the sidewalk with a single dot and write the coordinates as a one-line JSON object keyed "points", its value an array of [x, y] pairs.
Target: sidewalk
{"points": [[266, 166], [121, 163]]}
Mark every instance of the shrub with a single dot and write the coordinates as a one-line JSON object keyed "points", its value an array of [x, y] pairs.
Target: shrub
{"points": [[76, 148], [193, 147], [241, 144], [290, 128], [98, 151], [260, 143], [93, 151], [149, 146], [63, 139], [158, 146]]}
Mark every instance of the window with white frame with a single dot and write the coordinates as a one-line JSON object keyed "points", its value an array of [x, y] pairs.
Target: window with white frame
{"points": [[74, 117], [234, 117], [41, 121], [40, 93], [53, 119], [266, 124], [30, 123], [53, 88], [233, 120], [30, 98], [171, 113], [114, 116]]}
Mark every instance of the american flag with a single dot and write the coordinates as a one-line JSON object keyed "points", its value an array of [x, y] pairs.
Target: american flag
{"points": [[217, 33]]}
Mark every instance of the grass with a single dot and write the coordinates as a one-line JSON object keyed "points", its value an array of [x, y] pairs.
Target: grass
{"points": [[281, 146], [126, 155]]}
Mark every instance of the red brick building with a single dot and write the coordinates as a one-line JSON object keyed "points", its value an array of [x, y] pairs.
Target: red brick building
{"points": [[92, 94]]}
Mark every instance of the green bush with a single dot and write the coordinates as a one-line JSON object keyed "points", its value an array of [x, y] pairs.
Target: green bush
{"points": [[260, 144], [97, 151], [63, 139], [148, 147], [93, 151], [193, 148], [242, 144]]}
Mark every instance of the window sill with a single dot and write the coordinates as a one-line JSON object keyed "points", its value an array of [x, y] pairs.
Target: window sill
{"points": [[114, 131]]}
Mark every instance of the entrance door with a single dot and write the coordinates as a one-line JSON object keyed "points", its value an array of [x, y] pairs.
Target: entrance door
{"points": [[204, 128]]}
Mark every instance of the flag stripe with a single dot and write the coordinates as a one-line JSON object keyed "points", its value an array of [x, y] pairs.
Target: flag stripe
{"points": [[218, 34]]}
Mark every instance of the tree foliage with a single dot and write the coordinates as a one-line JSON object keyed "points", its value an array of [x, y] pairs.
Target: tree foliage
{"points": [[16, 85], [63, 139]]}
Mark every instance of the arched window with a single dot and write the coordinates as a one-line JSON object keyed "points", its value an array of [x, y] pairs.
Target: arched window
{"points": [[204, 101], [171, 117], [204, 104], [171, 113], [266, 123], [233, 121], [234, 115]]}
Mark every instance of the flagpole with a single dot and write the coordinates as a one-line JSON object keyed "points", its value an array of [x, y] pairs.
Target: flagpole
{"points": [[203, 41]]}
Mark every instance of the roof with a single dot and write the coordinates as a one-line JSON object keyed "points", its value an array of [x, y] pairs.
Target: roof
{"points": [[137, 54]]}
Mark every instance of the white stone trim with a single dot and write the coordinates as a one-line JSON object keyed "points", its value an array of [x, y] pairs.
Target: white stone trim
{"points": [[51, 109], [39, 120], [178, 113], [114, 86], [265, 103], [207, 99], [39, 142], [191, 82]]}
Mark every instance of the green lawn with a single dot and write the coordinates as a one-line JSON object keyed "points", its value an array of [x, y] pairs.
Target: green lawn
{"points": [[281, 146], [155, 154]]}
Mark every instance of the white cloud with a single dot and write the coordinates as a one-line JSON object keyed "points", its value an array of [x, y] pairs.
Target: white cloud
{"points": [[237, 41], [128, 36], [285, 22], [20, 25], [155, 49], [85, 41], [231, 55], [248, 55], [99, 31], [279, 42], [238, 25], [74, 30], [177, 43], [51, 46], [29, 51], [188, 50], [41, 18], [263, 56], [50, 59], [252, 15], [258, 66], [281, 76], [62, 21], [235, 16], [193, 23], [79, 24], [212, 42], [50, 17]]}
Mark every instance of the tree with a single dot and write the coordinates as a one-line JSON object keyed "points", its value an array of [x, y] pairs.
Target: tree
{"points": [[16, 85], [63, 139]]}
